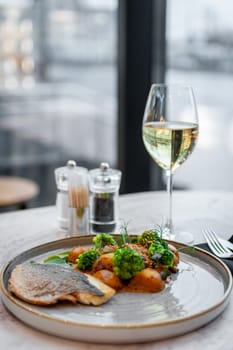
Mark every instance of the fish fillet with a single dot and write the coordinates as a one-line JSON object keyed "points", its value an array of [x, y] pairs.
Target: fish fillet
{"points": [[46, 284]]}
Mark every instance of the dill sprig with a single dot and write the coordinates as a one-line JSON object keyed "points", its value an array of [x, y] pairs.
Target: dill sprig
{"points": [[124, 238]]}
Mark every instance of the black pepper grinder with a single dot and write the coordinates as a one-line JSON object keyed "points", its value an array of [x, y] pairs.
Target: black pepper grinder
{"points": [[104, 193]]}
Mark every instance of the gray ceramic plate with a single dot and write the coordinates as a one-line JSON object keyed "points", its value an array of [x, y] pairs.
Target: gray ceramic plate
{"points": [[195, 296]]}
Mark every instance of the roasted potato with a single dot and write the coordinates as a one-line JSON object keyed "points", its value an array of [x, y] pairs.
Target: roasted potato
{"points": [[176, 254], [75, 252], [106, 261], [147, 280], [109, 278]]}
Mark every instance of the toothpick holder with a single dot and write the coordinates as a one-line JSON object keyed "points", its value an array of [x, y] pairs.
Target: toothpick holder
{"points": [[78, 221], [78, 192]]}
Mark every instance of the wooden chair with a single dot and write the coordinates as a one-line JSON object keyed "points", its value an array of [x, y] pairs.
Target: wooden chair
{"points": [[17, 191]]}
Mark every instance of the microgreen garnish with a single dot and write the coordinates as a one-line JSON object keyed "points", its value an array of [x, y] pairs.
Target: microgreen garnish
{"points": [[59, 258], [124, 233], [188, 249]]}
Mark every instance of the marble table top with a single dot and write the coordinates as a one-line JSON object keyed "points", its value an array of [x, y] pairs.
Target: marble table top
{"points": [[22, 230]]}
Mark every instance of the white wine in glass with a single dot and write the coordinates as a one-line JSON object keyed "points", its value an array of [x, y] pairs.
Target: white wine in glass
{"points": [[170, 131]]}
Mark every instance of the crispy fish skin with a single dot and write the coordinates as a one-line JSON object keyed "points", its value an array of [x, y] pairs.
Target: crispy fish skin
{"points": [[46, 284]]}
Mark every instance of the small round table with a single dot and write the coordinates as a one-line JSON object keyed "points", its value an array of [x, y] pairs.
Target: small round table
{"points": [[16, 191]]}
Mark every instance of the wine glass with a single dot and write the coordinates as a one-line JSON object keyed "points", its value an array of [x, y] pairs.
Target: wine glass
{"points": [[170, 131]]}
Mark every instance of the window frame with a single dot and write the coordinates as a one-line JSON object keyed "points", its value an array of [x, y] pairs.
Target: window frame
{"points": [[141, 61]]}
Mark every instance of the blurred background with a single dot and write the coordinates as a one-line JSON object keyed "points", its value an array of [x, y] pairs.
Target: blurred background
{"points": [[74, 77]]}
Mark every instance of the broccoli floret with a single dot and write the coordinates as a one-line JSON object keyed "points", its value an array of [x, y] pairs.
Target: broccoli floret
{"points": [[127, 262], [148, 237], [155, 248], [103, 239], [164, 243], [167, 258], [134, 240], [151, 236], [87, 259], [159, 253]]}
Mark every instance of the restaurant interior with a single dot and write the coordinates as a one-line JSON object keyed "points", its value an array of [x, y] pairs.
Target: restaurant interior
{"points": [[74, 78], [116, 121]]}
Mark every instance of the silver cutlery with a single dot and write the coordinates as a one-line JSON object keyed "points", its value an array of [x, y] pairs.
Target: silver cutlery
{"points": [[226, 243], [216, 246]]}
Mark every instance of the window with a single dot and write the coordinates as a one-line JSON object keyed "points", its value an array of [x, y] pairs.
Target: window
{"points": [[200, 52], [57, 87]]}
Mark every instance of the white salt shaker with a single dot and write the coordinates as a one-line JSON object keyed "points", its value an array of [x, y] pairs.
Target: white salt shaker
{"points": [[62, 202]]}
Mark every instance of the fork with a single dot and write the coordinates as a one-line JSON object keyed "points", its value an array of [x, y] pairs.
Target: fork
{"points": [[215, 245]]}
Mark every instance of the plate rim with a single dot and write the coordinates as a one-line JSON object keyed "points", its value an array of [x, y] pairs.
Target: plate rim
{"points": [[26, 307]]}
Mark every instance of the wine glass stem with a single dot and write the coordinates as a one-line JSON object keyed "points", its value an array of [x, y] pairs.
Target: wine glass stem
{"points": [[169, 224]]}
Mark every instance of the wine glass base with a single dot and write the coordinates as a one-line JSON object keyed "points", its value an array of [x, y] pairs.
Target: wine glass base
{"points": [[167, 234], [184, 237]]}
